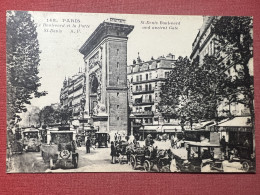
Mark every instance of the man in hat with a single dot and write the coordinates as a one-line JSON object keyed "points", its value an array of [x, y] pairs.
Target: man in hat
{"points": [[88, 143], [149, 141], [223, 144]]}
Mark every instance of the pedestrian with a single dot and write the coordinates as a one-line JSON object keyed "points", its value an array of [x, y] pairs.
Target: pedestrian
{"points": [[223, 145], [113, 152], [115, 137], [88, 145]]}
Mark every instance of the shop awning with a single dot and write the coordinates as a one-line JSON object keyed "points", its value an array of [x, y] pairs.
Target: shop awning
{"points": [[203, 125], [237, 122], [151, 128], [171, 128], [242, 124]]}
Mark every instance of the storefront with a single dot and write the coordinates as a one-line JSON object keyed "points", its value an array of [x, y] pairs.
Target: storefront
{"points": [[238, 132], [172, 130]]}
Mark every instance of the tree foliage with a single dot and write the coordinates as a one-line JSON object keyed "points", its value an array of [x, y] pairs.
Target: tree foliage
{"points": [[235, 40], [195, 91], [192, 91], [54, 115], [23, 62]]}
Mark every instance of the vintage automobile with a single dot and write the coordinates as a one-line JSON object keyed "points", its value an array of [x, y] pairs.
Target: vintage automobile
{"points": [[245, 157], [16, 147], [101, 139], [60, 149], [147, 158], [199, 156], [31, 140]]}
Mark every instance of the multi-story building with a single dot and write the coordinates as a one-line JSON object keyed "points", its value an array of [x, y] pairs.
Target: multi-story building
{"points": [[73, 92], [206, 43], [239, 128], [145, 80]]}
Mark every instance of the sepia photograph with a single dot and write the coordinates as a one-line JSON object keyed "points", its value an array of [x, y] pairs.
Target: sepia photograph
{"points": [[92, 92]]}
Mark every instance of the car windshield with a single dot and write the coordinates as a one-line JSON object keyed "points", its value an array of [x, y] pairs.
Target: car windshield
{"points": [[61, 137], [31, 134]]}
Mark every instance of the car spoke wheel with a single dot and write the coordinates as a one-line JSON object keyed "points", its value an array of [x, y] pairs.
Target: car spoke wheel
{"points": [[133, 162], [51, 164], [245, 166], [147, 166], [75, 162]]}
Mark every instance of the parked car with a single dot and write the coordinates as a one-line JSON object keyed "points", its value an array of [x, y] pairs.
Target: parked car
{"points": [[31, 141], [60, 149]]}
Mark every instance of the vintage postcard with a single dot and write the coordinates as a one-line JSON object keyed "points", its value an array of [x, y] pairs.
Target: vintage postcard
{"points": [[91, 92]]}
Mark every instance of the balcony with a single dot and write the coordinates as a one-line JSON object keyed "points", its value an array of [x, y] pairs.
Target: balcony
{"points": [[143, 103], [144, 113], [142, 92], [149, 80]]}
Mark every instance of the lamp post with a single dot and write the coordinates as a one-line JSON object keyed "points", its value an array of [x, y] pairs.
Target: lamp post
{"points": [[131, 117], [29, 120], [82, 102]]}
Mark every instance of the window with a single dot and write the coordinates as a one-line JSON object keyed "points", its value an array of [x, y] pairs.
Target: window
{"points": [[166, 75], [146, 76], [118, 80], [117, 106], [118, 118], [156, 96], [137, 78], [150, 98], [146, 87], [155, 85], [140, 87], [150, 87], [140, 77], [117, 64], [117, 51], [150, 75], [118, 92], [136, 88]]}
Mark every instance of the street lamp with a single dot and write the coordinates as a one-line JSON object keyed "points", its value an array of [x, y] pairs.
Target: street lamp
{"points": [[132, 117], [82, 102], [29, 120]]}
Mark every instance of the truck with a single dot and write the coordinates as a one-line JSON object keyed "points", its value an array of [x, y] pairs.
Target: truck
{"points": [[60, 149], [31, 140]]}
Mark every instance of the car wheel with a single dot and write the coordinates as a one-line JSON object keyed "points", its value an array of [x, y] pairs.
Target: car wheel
{"points": [[133, 162], [75, 162], [51, 164], [245, 166], [147, 166]]}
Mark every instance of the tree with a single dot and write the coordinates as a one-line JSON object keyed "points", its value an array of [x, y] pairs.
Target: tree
{"points": [[212, 86], [178, 96], [193, 91], [23, 61], [234, 37], [52, 115]]}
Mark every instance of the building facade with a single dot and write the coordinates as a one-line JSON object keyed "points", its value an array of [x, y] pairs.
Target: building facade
{"points": [[206, 43], [237, 127], [145, 80], [72, 93], [105, 57]]}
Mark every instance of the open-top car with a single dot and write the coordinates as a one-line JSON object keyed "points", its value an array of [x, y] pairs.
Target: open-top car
{"points": [[60, 149], [31, 141], [200, 156]]}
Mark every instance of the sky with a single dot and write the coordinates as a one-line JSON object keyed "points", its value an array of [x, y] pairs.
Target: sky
{"points": [[62, 34]]}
